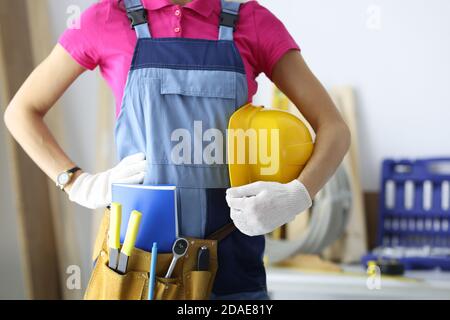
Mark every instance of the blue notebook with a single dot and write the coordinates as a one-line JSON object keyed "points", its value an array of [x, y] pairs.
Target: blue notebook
{"points": [[158, 206]]}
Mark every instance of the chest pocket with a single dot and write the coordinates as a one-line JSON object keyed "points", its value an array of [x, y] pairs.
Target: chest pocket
{"points": [[199, 83], [190, 113]]}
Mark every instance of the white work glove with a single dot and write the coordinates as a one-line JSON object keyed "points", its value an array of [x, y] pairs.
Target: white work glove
{"points": [[93, 191], [261, 207]]}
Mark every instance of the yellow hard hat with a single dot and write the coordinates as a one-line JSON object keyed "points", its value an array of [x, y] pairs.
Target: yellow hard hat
{"points": [[280, 136]]}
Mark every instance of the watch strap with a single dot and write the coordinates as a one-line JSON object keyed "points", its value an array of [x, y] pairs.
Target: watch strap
{"points": [[73, 170]]}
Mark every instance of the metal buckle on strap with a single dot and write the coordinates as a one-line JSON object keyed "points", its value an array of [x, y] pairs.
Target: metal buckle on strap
{"points": [[137, 17], [228, 19]]}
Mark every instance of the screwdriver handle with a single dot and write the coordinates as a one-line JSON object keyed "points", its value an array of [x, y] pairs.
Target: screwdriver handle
{"points": [[132, 231], [114, 225]]}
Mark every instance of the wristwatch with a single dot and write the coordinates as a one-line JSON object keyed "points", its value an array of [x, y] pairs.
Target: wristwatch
{"points": [[65, 177]]}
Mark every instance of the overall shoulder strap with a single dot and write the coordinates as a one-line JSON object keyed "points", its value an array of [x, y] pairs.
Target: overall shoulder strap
{"points": [[138, 18], [228, 19]]}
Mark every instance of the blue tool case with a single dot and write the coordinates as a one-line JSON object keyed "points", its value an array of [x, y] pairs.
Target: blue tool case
{"points": [[414, 214]]}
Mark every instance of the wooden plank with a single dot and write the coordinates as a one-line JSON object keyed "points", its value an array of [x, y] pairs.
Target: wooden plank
{"points": [[353, 244], [296, 228], [39, 250]]}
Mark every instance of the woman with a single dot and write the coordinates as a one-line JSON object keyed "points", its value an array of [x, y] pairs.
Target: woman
{"points": [[174, 80]]}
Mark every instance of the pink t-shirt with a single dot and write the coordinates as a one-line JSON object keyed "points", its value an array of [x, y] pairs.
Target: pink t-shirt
{"points": [[105, 38]]}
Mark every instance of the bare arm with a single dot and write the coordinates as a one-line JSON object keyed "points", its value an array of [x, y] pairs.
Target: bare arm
{"points": [[25, 114], [294, 78]]}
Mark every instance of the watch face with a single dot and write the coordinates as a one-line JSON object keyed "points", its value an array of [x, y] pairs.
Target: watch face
{"points": [[63, 178]]}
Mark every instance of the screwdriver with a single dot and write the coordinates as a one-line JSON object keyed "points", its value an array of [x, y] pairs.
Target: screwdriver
{"points": [[114, 234]]}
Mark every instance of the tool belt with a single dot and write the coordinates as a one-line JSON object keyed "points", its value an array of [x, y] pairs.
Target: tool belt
{"points": [[185, 284]]}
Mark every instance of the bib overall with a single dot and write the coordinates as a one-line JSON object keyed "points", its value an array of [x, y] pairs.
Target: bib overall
{"points": [[182, 92]]}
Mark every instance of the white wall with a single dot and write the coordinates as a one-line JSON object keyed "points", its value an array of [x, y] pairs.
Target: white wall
{"points": [[399, 68]]}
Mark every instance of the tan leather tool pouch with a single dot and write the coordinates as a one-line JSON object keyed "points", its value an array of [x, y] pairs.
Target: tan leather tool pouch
{"points": [[186, 283]]}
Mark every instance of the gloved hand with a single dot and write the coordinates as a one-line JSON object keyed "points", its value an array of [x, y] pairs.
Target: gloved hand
{"points": [[261, 207], [93, 191]]}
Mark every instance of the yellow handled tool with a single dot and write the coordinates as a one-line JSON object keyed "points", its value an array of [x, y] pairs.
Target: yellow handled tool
{"points": [[130, 240], [114, 234]]}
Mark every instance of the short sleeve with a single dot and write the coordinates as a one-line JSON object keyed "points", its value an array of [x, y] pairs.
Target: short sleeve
{"points": [[273, 39], [82, 40]]}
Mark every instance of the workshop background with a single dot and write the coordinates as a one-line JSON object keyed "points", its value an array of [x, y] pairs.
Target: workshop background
{"points": [[386, 63]]}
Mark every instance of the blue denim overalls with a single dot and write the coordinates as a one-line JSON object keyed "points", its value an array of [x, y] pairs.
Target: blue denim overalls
{"points": [[193, 85]]}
